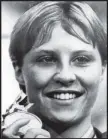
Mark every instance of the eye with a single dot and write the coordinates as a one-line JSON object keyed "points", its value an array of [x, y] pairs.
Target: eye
{"points": [[82, 60], [46, 59]]}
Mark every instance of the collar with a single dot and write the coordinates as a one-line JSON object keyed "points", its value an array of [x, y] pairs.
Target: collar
{"points": [[90, 133]]}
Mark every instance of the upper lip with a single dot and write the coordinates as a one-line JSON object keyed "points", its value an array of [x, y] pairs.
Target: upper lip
{"points": [[77, 92]]}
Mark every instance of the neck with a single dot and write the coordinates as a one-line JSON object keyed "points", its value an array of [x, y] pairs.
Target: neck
{"points": [[73, 131]]}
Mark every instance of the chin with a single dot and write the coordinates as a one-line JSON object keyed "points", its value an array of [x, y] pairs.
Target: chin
{"points": [[65, 117]]}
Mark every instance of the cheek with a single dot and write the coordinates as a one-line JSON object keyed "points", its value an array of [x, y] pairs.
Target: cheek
{"points": [[90, 80], [38, 77], [90, 76]]}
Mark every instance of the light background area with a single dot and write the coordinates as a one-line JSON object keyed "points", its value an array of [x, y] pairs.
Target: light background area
{"points": [[11, 11]]}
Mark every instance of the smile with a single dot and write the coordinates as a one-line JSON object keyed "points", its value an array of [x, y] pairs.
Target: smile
{"points": [[64, 95]]}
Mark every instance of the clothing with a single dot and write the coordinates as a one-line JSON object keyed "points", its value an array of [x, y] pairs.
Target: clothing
{"points": [[93, 132], [99, 134]]}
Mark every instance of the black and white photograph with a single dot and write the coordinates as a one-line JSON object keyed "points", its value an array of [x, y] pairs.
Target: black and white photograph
{"points": [[54, 69]]}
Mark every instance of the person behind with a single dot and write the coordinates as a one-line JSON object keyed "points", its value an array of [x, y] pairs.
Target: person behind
{"points": [[58, 50]]}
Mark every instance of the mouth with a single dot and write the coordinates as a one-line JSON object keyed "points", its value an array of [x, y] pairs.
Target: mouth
{"points": [[64, 95]]}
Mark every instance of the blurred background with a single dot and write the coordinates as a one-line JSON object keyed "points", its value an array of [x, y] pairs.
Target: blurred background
{"points": [[11, 11]]}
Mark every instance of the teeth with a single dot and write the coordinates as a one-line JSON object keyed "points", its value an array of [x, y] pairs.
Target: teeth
{"points": [[70, 96], [64, 96], [58, 96], [67, 96]]}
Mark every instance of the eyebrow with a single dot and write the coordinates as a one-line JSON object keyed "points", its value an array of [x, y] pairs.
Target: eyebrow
{"points": [[45, 51], [52, 52], [82, 51], [55, 53]]}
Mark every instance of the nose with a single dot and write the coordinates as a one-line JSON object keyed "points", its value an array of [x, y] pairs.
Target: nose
{"points": [[65, 76]]}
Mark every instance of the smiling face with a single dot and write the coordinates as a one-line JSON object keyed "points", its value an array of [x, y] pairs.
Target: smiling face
{"points": [[62, 77]]}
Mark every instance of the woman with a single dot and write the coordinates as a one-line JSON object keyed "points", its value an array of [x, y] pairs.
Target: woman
{"points": [[58, 50]]}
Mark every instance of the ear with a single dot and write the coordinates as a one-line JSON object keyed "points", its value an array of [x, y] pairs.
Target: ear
{"points": [[104, 66], [19, 75]]}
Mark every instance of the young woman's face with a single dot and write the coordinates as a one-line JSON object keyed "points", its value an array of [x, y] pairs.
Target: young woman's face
{"points": [[62, 77]]}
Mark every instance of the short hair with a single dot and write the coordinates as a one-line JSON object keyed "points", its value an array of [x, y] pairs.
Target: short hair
{"points": [[35, 26]]}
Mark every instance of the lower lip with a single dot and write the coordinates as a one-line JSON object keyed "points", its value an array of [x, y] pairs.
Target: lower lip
{"points": [[66, 101]]}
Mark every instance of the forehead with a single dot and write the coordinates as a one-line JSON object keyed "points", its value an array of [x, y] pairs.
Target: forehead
{"points": [[63, 44], [61, 40]]}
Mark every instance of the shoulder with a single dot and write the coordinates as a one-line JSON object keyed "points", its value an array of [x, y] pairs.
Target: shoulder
{"points": [[104, 135], [100, 134]]}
